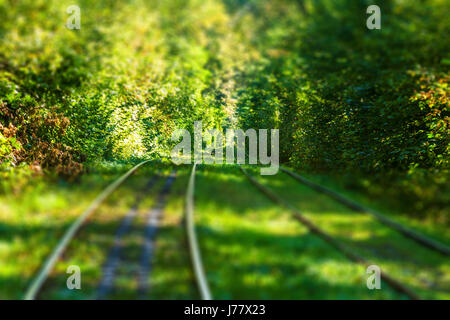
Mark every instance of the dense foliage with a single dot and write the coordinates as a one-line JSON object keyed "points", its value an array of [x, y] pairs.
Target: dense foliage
{"points": [[348, 100], [117, 87], [374, 103]]}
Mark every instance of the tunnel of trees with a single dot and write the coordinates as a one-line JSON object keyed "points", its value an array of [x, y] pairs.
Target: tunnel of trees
{"points": [[369, 108]]}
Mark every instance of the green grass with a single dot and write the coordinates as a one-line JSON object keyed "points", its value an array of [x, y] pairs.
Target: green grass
{"points": [[90, 248], [427, 272], [172, 276], [33, 221], [425, 225]]}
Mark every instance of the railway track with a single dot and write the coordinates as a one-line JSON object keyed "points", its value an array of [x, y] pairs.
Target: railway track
{"points": [[153, 221], [347, 251], [113, 261], [420, 239]]}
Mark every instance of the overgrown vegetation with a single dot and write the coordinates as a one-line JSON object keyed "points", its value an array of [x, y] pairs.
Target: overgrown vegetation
{"points": [[356, 102], [366, 106], [114, 89]]}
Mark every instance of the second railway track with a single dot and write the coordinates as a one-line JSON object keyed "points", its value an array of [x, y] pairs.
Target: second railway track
{"points": [[407, 232], [348, 252]]}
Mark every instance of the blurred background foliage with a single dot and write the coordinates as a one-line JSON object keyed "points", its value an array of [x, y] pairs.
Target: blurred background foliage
{"points": [[369, 107], [114, 89], [354, 102]]}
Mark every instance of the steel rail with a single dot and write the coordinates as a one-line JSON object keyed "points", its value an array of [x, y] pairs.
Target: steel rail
{"points": [[196, 259]]}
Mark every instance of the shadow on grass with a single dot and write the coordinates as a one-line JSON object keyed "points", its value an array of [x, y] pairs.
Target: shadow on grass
{"points": [[414, 265], [253, 249]]}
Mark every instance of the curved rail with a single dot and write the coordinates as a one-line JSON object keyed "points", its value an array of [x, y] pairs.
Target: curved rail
{"points": [[196, 259], [332, 241], [42, 275], [413, 235]]}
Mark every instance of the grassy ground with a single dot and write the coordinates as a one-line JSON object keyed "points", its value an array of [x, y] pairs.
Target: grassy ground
{"points": [[32, 222], [427, 272], [172, 277], [252, 248], [426, 226]]}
